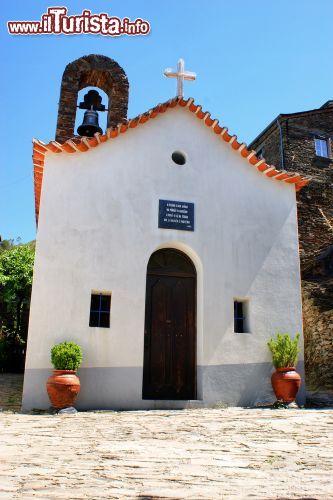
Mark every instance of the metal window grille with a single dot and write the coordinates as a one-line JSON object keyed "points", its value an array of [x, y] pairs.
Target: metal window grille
{"points": [[239, 317], [100, 310]]}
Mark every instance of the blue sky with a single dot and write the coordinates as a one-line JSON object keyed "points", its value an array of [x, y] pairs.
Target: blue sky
{"points": [[254, 60]]}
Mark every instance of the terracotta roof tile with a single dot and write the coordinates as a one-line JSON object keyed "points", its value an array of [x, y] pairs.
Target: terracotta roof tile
{"points": [[81, 145]]}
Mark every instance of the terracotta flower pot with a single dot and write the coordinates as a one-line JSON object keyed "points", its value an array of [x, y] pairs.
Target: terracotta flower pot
{"points": [[286, 382], [63, 387]]}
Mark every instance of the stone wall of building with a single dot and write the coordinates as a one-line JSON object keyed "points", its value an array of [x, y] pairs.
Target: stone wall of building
{"points": [[317, 290], [270, 147], [315, 224], [315, 202]]}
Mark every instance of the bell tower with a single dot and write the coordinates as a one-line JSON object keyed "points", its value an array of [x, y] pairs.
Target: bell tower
{"points": [[91, 71]]}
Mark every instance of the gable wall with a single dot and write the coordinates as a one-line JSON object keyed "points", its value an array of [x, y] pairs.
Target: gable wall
{"points": [[98, 228]]}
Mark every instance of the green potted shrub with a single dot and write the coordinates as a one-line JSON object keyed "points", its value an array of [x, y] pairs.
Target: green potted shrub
{"points": [[63, 385], [285, 380]]}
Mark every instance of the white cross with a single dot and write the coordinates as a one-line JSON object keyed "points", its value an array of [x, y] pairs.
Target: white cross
{"points": [[181, 75]]}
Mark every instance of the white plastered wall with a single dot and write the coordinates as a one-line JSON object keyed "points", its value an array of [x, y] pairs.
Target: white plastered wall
{"points": [[99, 225]]}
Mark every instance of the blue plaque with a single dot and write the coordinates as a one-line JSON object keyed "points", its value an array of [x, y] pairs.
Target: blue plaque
{"points": [[176, 215]]}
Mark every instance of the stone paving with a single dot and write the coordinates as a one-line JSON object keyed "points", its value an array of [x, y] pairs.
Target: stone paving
{"points": [[11, 385], [193, 454]]}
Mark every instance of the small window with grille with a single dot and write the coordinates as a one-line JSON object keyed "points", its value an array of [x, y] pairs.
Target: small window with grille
{"points": [[241, 323], [100, 306]]}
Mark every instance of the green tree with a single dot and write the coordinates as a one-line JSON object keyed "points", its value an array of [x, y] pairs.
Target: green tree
{"points": [[6, 245], [16, 268]]}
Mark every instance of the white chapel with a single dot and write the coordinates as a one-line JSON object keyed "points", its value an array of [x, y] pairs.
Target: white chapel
{"points": [[165, 248]]}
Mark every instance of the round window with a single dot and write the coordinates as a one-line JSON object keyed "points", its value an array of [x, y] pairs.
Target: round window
{"points": [[178, 157]]}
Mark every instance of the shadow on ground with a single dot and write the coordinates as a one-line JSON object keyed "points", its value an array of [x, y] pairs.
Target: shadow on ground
{"points": [[11, 386]]}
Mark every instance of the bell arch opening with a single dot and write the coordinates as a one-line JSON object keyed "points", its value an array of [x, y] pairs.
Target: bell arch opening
{"points": [[91, 71]]}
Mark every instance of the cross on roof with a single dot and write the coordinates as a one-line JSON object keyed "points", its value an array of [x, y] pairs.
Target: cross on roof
{"points": [[181, 75]]}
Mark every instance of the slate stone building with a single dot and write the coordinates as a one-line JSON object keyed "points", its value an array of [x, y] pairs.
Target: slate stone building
{"points": [[302, 142]]}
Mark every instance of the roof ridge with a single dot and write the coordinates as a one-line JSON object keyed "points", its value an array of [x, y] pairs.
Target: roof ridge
{"points": [[81, 145]]}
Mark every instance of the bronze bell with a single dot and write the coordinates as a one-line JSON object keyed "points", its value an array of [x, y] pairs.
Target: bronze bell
{"points": [[90, 124]]}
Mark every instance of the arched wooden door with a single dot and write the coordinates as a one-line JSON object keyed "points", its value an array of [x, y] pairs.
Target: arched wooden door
{"points": [[169, 370]]}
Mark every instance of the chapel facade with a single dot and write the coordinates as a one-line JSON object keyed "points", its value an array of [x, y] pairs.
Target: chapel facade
{"points": [[165, 248]]}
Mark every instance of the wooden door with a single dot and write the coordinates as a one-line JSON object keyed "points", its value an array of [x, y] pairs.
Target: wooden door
{"points": [[170, 330]]}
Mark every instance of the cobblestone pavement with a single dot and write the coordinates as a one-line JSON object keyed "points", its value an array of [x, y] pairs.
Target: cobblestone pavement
{"points": [[212, 454], [11, 385]]}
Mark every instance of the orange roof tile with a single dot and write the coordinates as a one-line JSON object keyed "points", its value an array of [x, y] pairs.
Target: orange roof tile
{"points": [[83, 144]]}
